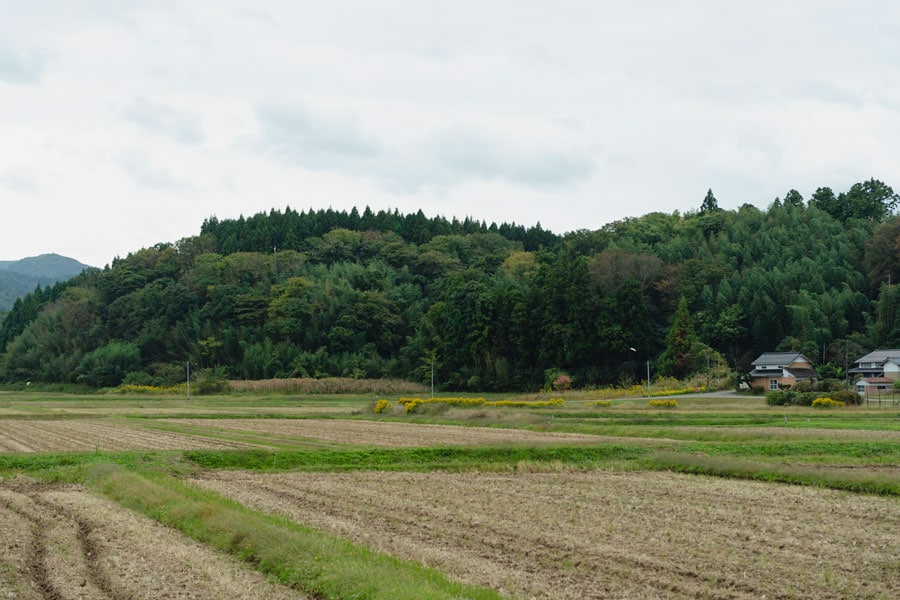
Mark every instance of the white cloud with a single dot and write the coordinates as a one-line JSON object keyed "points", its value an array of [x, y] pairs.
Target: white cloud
{"points": [[147, 173], [572, 114], [311, 138], [181, 125]]}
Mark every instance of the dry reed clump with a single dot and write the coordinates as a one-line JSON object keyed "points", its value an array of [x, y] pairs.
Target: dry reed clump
{"points": [[330, 385]]}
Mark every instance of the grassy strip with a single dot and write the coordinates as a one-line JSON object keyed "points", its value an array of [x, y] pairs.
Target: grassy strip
{"points": [[320, 565], [60, 460], [839, 479], [883, 451], [798, 420], [412, 459]]}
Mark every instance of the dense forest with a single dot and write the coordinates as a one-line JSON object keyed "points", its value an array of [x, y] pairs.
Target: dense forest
{"points": [[331, 293]]}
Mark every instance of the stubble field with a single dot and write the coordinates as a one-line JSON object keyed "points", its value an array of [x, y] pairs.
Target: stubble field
{"points": [[553, 524], [601, 534], [63, 542]]}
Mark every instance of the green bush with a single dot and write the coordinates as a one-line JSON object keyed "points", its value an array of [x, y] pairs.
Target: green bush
{"points": [[806, 398], [846, 396], [211, 381], [803, 386], [792, 398], [777, 398], [830, 385], [107, 365], [138, 378]]}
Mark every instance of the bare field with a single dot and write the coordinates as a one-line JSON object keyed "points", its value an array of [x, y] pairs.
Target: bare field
{"points": [[602, 534], [392, 435], [65, 543], [92, 434]]}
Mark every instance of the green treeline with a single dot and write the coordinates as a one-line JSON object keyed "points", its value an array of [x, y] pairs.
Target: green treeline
{"points": [[328, 293]]}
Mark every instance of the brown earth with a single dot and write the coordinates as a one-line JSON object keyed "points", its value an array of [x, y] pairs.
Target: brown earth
{"points": [[61, 543], [91, 434], [603, 534], [393, 435]]}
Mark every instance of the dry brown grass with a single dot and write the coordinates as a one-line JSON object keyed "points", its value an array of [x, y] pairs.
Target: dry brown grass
{"points": [[331, 385], [603, 534]]}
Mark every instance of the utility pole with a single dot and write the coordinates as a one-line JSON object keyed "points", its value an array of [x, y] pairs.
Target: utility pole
{"points": [[707, 369], [648, 378], [846, 366], [188, 380]]}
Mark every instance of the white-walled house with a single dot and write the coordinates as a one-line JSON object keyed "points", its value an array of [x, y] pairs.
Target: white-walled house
{"points": [[878, 363], [877, 371]]}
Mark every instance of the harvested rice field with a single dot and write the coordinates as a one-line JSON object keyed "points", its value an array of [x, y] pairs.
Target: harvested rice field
{"points": [[390, 434], [227, 497], [26, 435], [62, 542], [602, 534]]}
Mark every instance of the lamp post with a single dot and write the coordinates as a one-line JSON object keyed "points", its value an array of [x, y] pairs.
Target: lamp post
{"points": [[648, 370], [635, 354]]}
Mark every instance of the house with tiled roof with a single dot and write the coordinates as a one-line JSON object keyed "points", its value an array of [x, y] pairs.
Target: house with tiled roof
{"points": [[780, 370], [877, 371]]}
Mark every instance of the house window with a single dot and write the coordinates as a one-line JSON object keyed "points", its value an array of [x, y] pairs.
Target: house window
{"points": [[773, 384]]}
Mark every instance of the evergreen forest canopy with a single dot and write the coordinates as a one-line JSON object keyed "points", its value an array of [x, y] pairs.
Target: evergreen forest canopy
{"points": [[329, 293]]}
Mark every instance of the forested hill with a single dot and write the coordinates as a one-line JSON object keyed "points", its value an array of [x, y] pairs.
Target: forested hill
{"points": [[494, 307], [19, 277]]}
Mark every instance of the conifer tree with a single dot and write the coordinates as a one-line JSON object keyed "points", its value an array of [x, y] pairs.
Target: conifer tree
{"points": [[676, 360]]}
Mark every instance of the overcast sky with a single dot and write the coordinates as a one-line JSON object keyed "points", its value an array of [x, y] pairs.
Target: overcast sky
{"points": [[127, 123]]}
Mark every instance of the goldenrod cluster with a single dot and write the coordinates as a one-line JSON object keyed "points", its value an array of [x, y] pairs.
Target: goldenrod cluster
{"points": [[663, 403], [827, 403]]}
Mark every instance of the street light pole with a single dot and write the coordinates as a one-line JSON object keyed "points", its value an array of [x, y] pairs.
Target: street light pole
{"points": [[648, 371], [635, 354]]}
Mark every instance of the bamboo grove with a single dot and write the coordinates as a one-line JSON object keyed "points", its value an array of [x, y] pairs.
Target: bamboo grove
{"points": [[332, 293]]}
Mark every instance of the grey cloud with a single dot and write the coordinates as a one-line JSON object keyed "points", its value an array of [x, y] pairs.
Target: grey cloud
{"points": [[180, 125], [20, 180], [451, 158], [311, 139], [139, 167], [20, 66]]}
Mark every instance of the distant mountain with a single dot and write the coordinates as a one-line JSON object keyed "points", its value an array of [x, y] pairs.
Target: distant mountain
{"points": [[19, 277]]}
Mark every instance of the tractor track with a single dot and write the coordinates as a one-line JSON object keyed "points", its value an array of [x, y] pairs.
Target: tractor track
{"points": [[60, 542]]}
